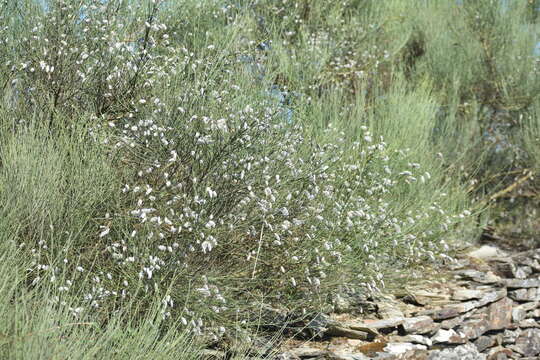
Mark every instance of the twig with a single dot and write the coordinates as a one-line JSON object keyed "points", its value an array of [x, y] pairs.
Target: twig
{"points": [[511, 187], [258, 251], [498, 175]]}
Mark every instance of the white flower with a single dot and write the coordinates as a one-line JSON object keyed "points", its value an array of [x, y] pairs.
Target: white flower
{"points": [[286, 225], [105, 231], [222, 125], [211, 193], [205, 291], [206, 245]]}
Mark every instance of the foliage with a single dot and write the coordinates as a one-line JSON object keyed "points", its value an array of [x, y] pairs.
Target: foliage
{"points": [[183, 165]]}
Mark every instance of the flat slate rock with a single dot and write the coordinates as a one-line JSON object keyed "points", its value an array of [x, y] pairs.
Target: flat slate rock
{"points": [[528, 323], [340, 331], [414, 339], [453, 322], [499, 314], [401, 348], [521, 283], [479, 276], [307, 352], [486, 252], [484, 342], [528, 343], [448, 337], [531, 294], [467, 294], [500, 353], [510, 336], [474, 328], [518, 314], [442, 314], [346, 356], [419, 325], [457, 309], [373, 327], [462, 352]]}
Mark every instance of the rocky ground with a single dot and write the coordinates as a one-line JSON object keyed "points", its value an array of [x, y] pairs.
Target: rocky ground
{"points": [[486, 306]]}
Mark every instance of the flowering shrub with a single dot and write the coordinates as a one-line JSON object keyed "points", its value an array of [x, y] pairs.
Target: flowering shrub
{"points": [[222, 205]]}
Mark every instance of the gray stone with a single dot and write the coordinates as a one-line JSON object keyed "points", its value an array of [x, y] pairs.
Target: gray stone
{"points": [[528, 323], [479, 276], [415, 339], [339, 331], [531, 294], [401, 348], [441, 314], [472, 329], [462, 352], [492, 297], [518, 314], [389, 311], [448, 336], [534, 294], [486, 252], [484, 342], [346, 356], [454, 310], [467, 294], [523, 272], [419, 325], [510, 336], [418, 339], [521, 283], [499, 314], [529, 306], [504, 267], [528, 343], [452, 323], [499, 353], [307, 352], [507, 268], [528, 260], [412, 355], [372, 327]]}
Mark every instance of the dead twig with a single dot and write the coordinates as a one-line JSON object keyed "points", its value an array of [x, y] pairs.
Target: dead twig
{"points": [[519, 181]]}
